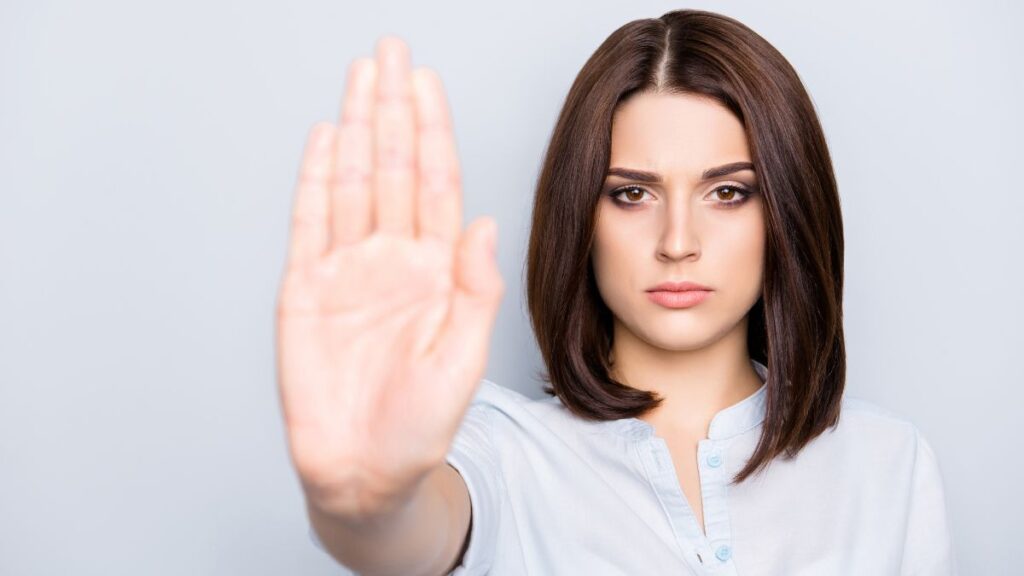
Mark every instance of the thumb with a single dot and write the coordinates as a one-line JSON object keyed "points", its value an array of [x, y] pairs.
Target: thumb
{"points": [[466, 335]]}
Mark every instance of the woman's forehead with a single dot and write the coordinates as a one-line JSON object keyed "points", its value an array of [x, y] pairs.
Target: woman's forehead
{"points": [[675, 132]]}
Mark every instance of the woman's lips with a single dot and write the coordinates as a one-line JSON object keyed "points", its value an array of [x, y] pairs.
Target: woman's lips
{"points": [[683, 299]]}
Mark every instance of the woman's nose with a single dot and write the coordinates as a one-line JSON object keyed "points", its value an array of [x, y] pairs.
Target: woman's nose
{"points": [[679, 238]]}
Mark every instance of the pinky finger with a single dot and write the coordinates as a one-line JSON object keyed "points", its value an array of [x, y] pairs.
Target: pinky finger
{"points": [[310, 214]]}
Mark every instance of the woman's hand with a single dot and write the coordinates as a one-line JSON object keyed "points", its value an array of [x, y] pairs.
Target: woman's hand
{"points": [[386, 307]]}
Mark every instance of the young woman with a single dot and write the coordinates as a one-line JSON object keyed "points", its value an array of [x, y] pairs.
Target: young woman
{"points": [[684, 281]]}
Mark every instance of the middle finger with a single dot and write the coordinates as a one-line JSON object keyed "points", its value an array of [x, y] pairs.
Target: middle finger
{"points": [[394, 142]]}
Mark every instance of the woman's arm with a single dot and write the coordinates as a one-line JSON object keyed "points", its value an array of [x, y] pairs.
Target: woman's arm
{"points": [[384, 322], [427, 536]]}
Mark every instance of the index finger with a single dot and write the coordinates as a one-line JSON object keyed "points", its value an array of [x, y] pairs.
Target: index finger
{"points": [[439, 199]]}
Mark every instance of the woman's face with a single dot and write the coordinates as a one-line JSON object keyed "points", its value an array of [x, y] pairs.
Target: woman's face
{"points": [[682, 227]]}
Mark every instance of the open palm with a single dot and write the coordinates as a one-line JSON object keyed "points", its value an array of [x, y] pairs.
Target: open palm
{"points": [[386, 307]]}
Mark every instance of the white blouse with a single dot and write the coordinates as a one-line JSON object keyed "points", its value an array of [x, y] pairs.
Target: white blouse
{"points": [[553, 494]]}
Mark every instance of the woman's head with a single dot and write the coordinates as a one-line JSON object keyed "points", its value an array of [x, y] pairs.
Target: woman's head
{"points": [[675, 96], [680, 203]]}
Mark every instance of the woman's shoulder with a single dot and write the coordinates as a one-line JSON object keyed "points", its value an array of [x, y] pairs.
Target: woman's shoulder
{"points": [[863, 412], [514, 413], [875, 433], [509, 400], [861, 415], [491, 392]]}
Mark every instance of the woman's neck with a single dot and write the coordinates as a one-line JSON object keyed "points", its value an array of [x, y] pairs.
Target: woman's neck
{"points": [[695, 384]]}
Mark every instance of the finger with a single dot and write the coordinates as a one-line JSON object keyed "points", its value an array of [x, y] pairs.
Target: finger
{"points": [[439, 194], [309, 228], [351, 187], [462, 346], [394, 146]]}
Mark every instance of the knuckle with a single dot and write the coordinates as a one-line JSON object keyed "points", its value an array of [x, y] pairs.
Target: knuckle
{"points": [[311, 177], [303, 220], [353, 120], [395, 157], [394, 98], [440, 179], [348, 177], [436, 126]]}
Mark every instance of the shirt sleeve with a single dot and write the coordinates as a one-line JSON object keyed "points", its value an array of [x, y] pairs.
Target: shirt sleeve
{"points": [[474, 456], [928, 548]]}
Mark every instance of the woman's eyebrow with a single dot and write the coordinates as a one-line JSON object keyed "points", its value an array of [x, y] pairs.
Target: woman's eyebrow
{"points": [[653, 177]]}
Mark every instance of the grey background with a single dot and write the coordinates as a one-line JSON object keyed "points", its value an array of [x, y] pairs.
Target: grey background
{"points": [[147, 156]]}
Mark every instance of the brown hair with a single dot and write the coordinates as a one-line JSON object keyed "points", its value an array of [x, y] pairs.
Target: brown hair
{"points": [[795, 328]]}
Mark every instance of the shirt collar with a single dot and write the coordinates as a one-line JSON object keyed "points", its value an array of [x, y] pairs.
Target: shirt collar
{"points": [[743, 415], [728, 422]]}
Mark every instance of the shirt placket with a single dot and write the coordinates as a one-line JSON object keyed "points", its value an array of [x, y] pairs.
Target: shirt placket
{"points": [[714, 480], [709, 554]]}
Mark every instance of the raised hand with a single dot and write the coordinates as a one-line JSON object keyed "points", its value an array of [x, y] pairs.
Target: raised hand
{"points": [[386, 307]]}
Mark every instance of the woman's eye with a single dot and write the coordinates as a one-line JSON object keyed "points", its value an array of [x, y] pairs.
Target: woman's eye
{"points": [[729, 197], [728, 194], [628, 194]]}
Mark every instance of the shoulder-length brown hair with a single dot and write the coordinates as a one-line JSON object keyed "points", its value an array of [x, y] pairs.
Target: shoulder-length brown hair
{"points": [[795, 328]]}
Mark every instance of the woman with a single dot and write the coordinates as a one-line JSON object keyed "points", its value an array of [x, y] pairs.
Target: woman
{"points": [[684, 281]]}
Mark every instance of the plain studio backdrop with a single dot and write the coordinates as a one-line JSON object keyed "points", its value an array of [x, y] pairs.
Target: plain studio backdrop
{"points": [[147, 158]]}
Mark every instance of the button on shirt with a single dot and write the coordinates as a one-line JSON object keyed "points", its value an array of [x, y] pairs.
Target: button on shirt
{"points": [[553, 494]]}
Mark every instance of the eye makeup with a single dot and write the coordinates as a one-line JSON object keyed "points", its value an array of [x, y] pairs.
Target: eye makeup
{"points": [[731, 190]]}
